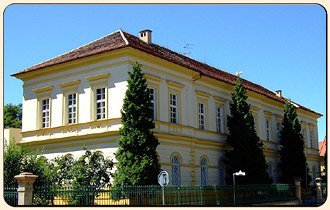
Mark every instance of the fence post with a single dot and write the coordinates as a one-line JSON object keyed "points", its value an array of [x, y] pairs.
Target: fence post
{"points": [[318, 190], [297, 182], [25, 187]]}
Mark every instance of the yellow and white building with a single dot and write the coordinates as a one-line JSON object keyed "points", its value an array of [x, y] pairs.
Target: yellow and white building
{"points": [[75, 99]]}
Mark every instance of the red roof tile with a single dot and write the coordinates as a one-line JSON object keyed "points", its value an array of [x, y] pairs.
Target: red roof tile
{"points": [[116, 41], [323, 146]]}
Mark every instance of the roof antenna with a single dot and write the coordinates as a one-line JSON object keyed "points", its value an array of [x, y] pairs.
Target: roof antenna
{"points": [[187, 47]]}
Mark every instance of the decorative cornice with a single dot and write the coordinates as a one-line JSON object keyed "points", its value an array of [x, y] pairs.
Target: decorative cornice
{"points": [[68, 84], [253, 108], [303, 123], [98, 77], [219, 99], [153, 78], [279, 116], [43, 89], [202, 94], [311, 125], [174, 84], [268, 113]]}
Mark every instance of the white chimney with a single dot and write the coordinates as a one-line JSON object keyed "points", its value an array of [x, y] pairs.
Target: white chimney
{"points": [[145, 35], [279, 93]]}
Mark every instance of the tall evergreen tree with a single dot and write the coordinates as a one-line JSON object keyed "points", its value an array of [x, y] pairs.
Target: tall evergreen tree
{"points": [[137, 159], [247, 152], [293, 160]]}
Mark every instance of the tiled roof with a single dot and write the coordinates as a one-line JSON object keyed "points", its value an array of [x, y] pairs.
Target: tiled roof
{"points": [[323, 146], [121, 39]]}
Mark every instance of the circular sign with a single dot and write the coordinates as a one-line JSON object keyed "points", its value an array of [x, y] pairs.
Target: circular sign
{"points": [[163, 178]]}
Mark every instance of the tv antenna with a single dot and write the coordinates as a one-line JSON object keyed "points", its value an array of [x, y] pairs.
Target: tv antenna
{"points": [[186, 48]]}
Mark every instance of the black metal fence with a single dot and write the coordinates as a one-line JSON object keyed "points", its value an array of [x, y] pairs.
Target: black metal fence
{"points": [[11, 196], [174, 196]]}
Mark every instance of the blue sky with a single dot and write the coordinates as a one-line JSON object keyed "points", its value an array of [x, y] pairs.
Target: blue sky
{"points": [[277, 46]]}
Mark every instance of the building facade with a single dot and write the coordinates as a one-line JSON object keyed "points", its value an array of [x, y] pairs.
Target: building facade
{"points": [[75, 99]]}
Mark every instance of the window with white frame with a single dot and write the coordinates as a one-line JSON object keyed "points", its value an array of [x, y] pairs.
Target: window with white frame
{"points": [[204, 172], [176, 176], [45, 111], [152, 93], [278, 131], [100, 103], [72, 108], [173, 108], [268, 130], [218, 119], [222, 173], [311, 136], [201, 115]]}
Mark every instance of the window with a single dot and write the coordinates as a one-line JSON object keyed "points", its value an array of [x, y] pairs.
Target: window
{"points": [[222, 173], [268, 130], [311, 137], [218, 119], [204, 172], [100, 103], [304, 136], [45, 113], [152, 94], [278, 130], [176, 179], [201, 111], [173, 108], [99, 96], [72, 108], [70, 101]]}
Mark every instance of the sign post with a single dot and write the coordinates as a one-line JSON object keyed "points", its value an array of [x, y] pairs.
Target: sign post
{"points": [[163, 180], [240, 173]]}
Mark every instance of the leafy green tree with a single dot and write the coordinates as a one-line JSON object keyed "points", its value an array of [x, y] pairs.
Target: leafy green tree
{"points": [[91, 169], [247, 152], [293, 159], [18, 159], [12, 116], [63, 167], [137, 159], [89, 173]]}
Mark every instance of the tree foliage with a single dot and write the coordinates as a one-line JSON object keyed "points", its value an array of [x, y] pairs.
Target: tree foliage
{"points": [[18, 159], [247, 149], [12, 117], [292, 160], [91, 169], [137, 159]]}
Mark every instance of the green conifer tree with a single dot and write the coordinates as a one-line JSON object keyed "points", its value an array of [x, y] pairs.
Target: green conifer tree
{"points": [[137, 159], [293, 160], [247, 152]]}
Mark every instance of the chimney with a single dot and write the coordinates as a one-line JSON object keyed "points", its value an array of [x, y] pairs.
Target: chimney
{"points": [[145, 35], [279, 93]]}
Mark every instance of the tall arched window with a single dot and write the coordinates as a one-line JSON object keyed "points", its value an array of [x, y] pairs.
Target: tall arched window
{"points": [[222, 173], [176, 176], [69, 159], [270, 171], [204, 172]]}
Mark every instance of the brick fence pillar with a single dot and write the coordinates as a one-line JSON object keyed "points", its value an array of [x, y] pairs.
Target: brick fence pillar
{"points": [[319, 198], [297, 182], [25, 187]]}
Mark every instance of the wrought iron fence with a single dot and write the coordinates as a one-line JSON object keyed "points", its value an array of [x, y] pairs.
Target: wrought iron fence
{"points": [[152, 195], [11, 196]]}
